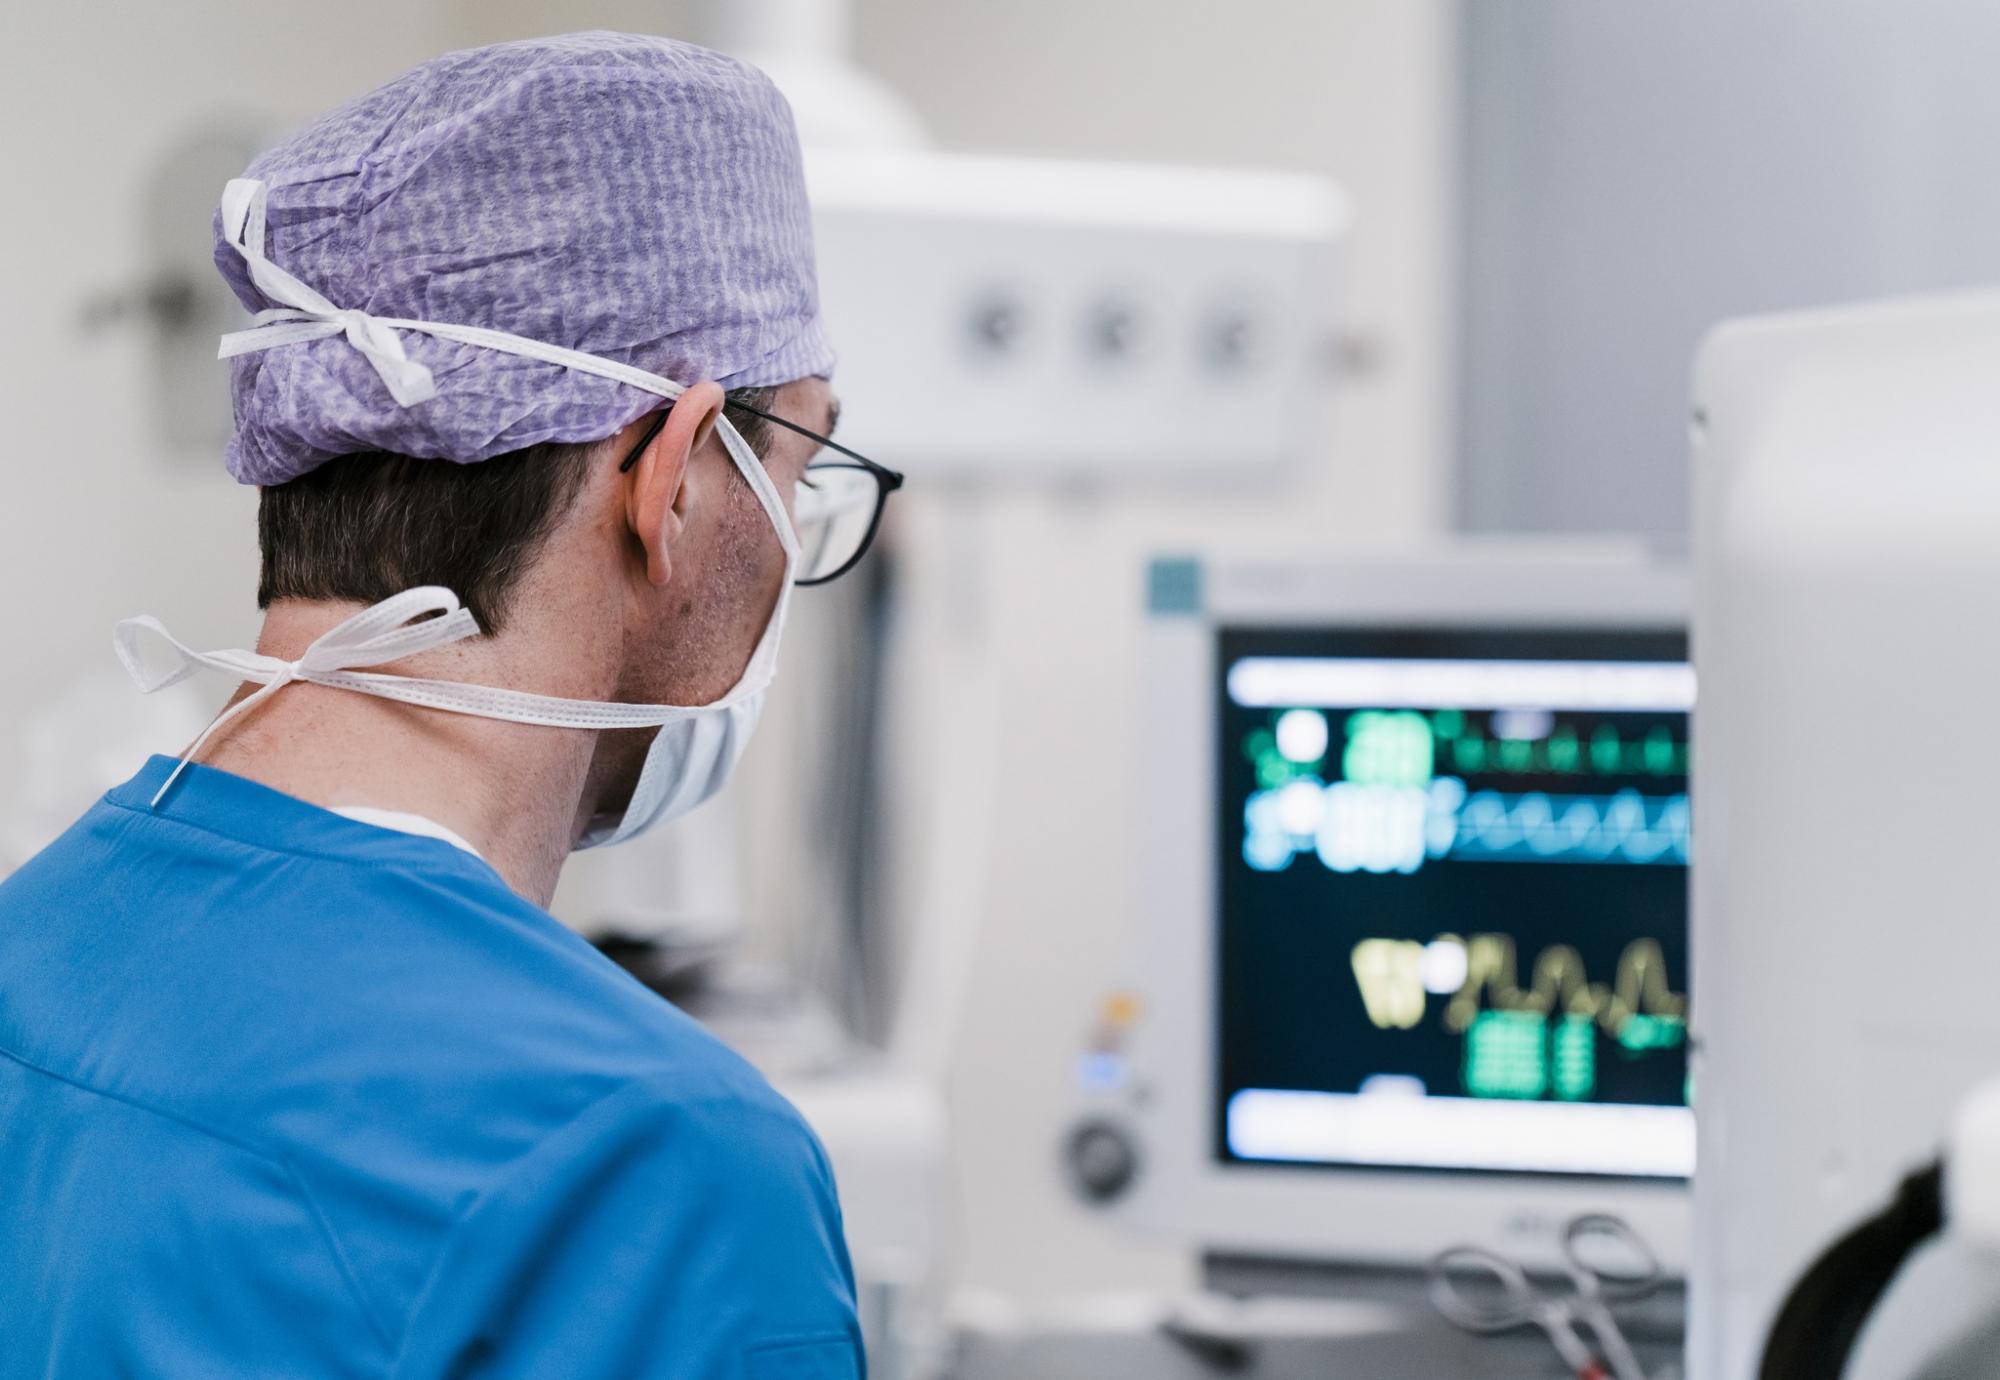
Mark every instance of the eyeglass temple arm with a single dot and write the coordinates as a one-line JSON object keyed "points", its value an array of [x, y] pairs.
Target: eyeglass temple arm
{"points": [[892, 477]]}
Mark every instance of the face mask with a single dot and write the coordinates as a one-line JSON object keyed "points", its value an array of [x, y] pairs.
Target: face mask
{"points": [[697, 746]]}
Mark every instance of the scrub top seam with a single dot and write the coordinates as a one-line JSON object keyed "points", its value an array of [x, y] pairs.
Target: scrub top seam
{"points": [[328, 1237], [662, 1083], [452, 854], [655, 1082], [461, 1218], [452, 864]]}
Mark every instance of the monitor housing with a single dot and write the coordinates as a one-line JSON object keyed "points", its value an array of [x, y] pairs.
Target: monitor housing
{"points": [[1846, 500], [1378, 1020]]}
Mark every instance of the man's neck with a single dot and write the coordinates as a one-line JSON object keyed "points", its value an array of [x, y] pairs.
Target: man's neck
{"points": [[513, 791]]}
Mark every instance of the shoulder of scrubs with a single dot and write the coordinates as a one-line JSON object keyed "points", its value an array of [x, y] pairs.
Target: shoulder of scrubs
{"points": [[305, 1060], [657, 1234]]}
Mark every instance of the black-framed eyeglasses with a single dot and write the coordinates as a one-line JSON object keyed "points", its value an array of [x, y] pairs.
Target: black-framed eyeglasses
{"points": [[838, 507]]}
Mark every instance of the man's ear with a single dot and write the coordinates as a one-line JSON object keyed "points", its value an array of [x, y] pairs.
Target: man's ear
{"points": [[657, 495]]}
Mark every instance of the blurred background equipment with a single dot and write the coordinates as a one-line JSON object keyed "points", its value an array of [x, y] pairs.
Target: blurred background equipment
{"points": [[1417, 946], [1846, 500], [180, 303], [1114, 296], [1418, 905]]}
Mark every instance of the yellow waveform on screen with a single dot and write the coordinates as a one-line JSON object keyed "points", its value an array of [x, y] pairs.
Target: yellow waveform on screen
{"points": [[1560, 986]]}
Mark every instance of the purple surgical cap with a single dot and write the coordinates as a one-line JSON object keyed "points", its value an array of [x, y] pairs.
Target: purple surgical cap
{"points": [[633, 198]]}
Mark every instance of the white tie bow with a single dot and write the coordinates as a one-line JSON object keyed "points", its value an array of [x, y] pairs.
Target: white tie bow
{"points": [[378, 634]]}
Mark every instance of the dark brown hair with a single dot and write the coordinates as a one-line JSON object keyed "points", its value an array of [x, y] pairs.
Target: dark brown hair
{"points": [[361, 528]]}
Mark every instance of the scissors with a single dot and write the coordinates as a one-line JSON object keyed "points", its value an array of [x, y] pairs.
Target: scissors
{"points": [[1606, 1260]]}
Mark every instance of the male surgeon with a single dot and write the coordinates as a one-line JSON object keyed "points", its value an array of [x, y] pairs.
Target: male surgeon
{"points": [[297, 1075]]}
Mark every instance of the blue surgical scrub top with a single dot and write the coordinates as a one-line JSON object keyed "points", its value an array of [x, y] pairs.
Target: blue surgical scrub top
{"points": [[284, 1094]]}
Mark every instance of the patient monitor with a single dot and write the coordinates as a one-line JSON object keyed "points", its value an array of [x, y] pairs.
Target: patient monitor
{"points": [[1416, 906]]}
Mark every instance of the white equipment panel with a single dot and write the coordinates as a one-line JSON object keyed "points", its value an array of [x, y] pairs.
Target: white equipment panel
{"points": [[1847, 636], [1017, 318]]}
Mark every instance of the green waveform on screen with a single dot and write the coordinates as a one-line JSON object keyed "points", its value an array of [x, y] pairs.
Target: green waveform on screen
{"points": [[1465, 747], [1407, 748]]}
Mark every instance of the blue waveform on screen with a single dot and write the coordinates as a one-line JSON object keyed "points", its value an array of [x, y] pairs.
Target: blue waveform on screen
{"points": [[1534, 827], [1383, 828]]}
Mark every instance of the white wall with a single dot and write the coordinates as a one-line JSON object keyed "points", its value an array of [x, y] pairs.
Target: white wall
{"points": [[98, 518], [1692, 162]]}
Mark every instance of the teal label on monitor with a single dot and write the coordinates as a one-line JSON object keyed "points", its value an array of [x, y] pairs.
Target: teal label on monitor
{"points": [[1173, 587]]}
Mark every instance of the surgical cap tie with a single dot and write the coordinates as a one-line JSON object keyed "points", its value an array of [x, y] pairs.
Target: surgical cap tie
{"points": [[639, 204], [307, 315], [243, 204]]}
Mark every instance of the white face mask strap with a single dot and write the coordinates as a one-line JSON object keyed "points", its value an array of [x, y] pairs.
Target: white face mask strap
{"points": [[763, 660], [514, 706], [519, 706], [759, 479], [381, 633]]}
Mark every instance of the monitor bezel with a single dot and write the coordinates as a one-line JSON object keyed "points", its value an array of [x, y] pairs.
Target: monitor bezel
{"points": [[1340, 1214]]}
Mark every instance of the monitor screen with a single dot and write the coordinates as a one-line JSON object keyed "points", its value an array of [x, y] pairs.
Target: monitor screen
{"points": [[1453, 910]]}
